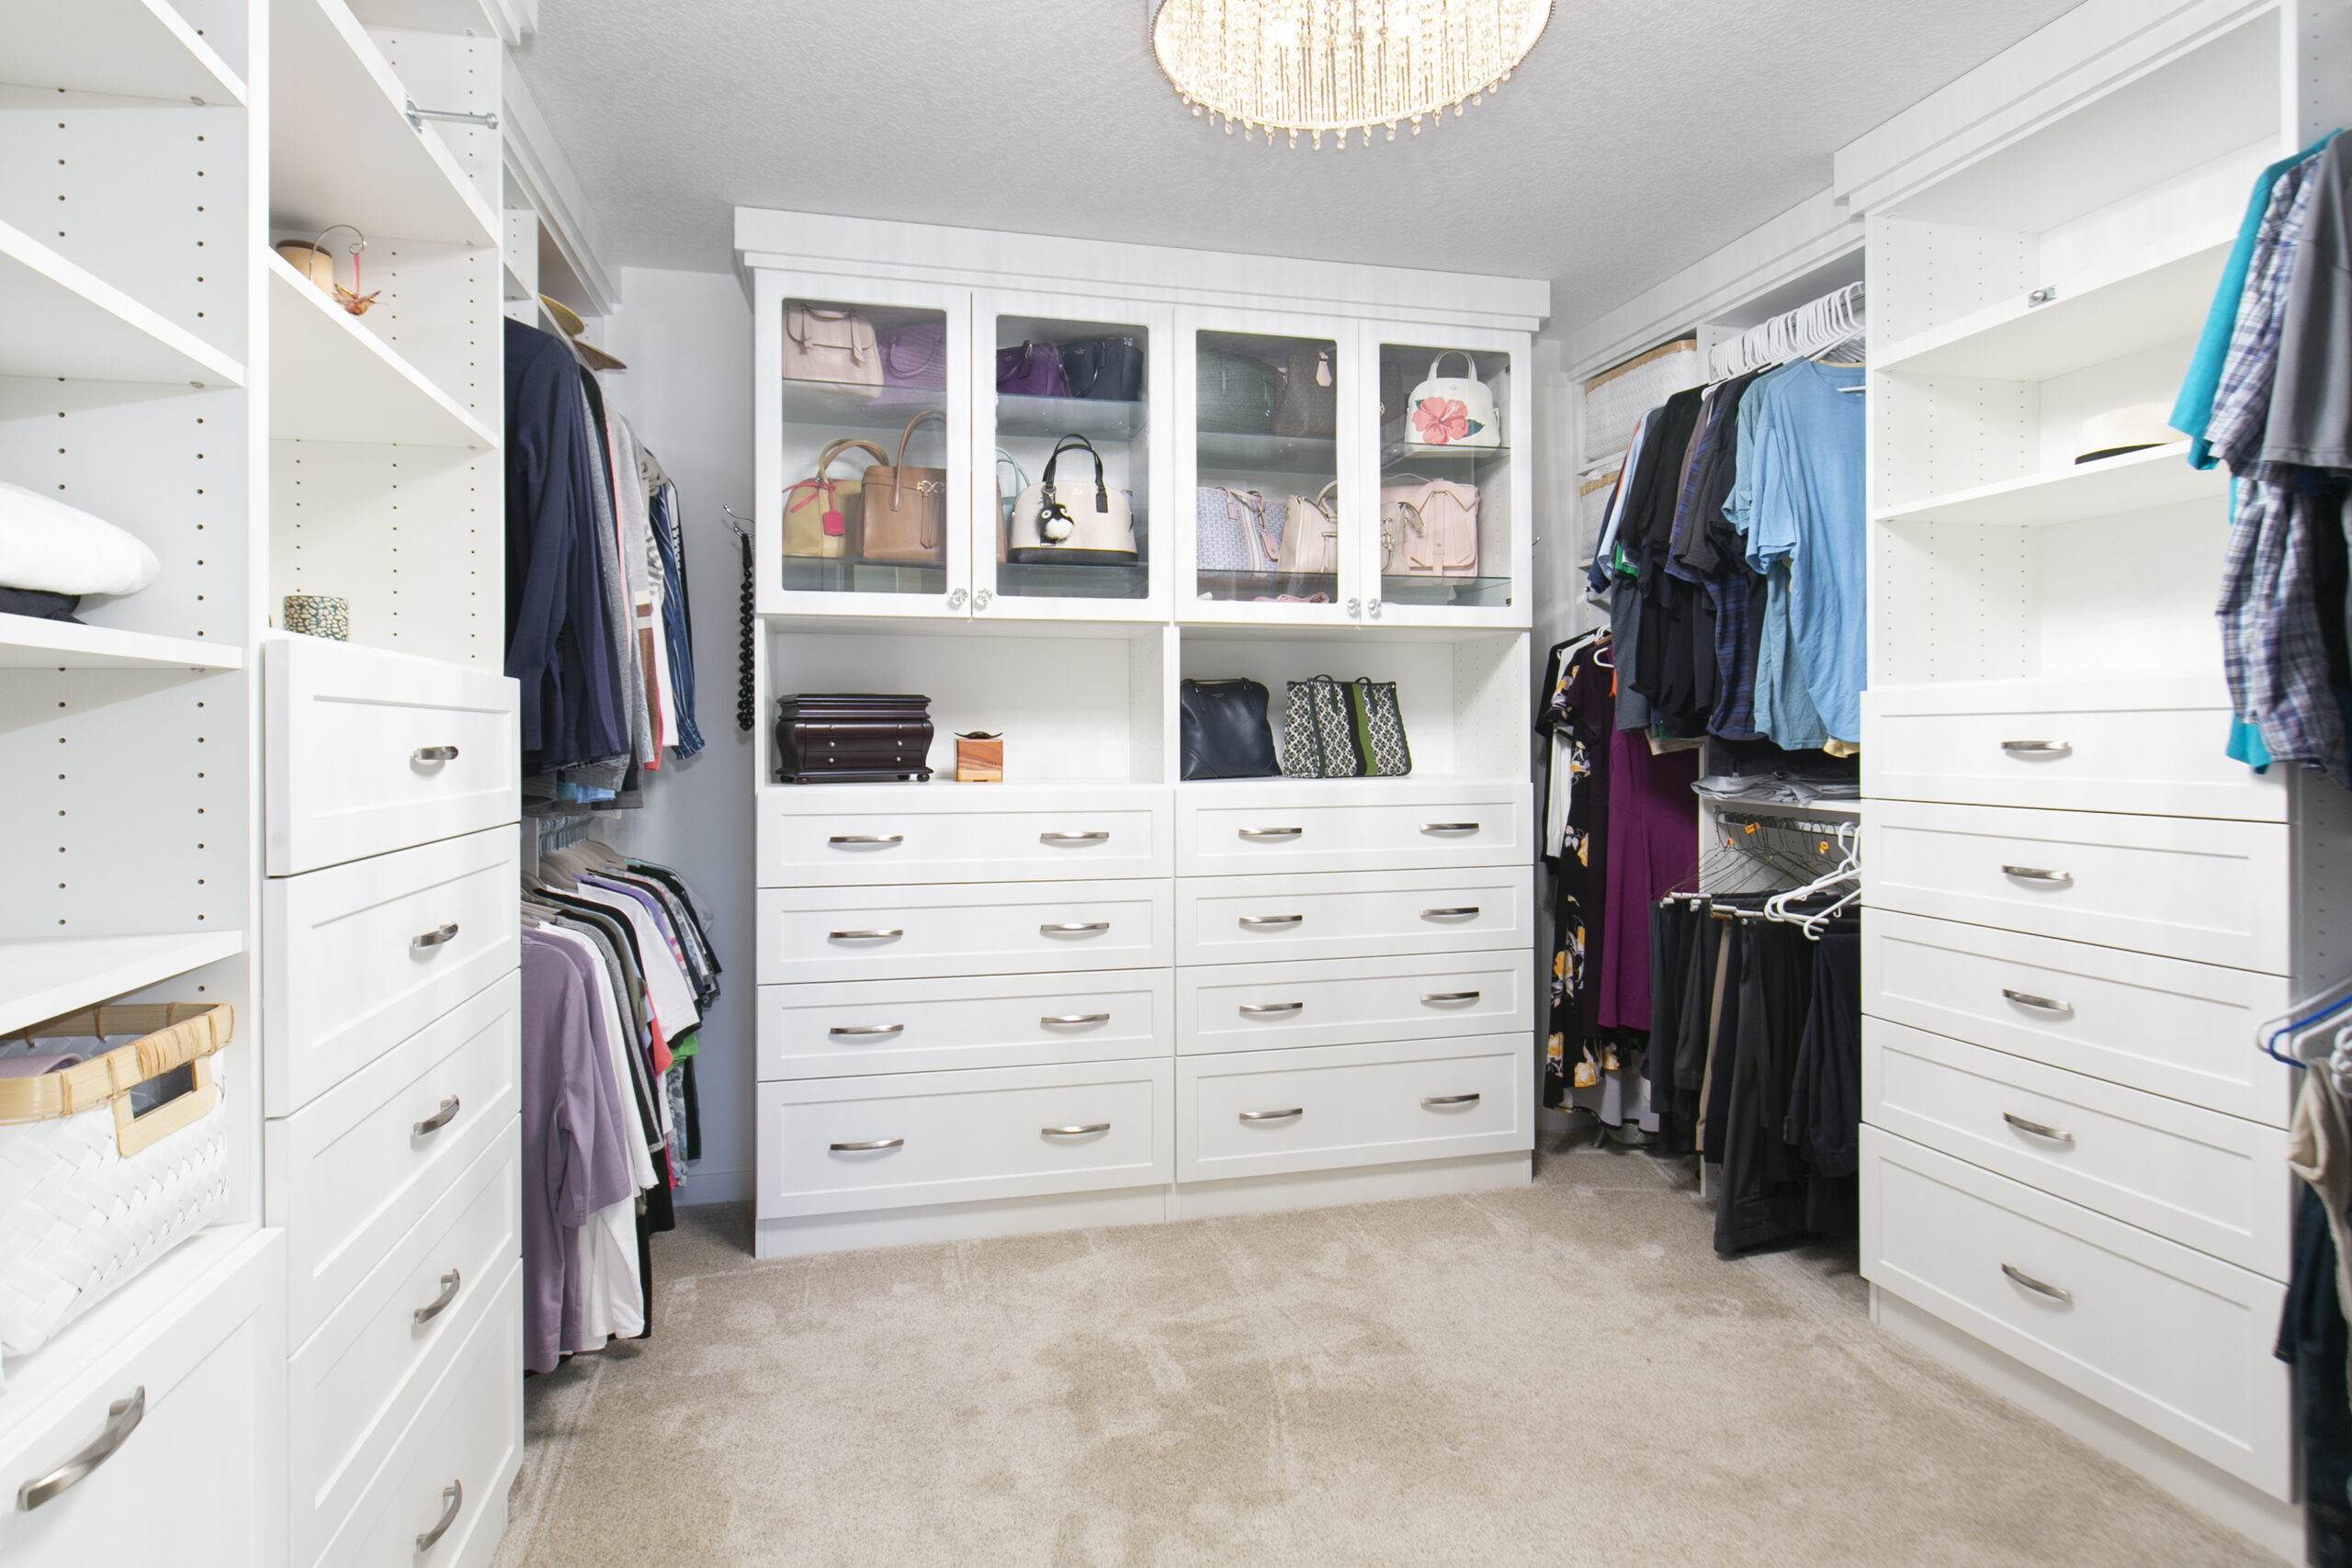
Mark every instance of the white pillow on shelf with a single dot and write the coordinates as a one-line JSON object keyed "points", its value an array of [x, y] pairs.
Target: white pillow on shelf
{"points": [[51, 547]]}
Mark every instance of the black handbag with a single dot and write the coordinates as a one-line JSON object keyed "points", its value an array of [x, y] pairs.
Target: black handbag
{"points": [[1110, 368], [1307, 403], [1225, 732], [1236, 394]]}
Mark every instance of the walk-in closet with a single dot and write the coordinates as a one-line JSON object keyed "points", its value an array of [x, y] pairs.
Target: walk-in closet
{"points": [[1521, 782]]}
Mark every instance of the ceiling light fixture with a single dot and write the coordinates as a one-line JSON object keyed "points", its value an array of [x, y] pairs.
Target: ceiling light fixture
{"points": [[1338, 67]]}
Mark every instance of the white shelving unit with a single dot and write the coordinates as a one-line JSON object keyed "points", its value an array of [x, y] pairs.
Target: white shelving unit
{"points": [[332, 380], [136, 48], [40, 980], [2134, 482], [30, 644], [64, 321]]}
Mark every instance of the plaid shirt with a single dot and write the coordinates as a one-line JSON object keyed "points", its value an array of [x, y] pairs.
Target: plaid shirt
{"points": [[2242, 405]]}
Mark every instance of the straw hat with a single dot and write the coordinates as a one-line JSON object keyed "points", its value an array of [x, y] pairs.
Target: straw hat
{"points": [[568, 320]]}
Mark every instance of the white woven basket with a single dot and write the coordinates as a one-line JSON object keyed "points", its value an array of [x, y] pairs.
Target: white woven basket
{"points": [[91, 1194], [1615, 400]]}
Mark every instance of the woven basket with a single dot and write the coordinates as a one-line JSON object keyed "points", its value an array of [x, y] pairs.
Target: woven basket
{"points": [[1615, 400], [92, 1192]]}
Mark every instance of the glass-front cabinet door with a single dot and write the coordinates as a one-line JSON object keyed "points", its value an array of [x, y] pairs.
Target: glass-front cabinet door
{"points": [[1273, 534], [1074, 404], [1453, 547], [862, 431]]}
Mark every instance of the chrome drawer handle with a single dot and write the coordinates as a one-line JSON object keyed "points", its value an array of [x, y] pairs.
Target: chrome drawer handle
{"points": [[2038, 748], [866, 1029], [2026, 1000], [440, 1303], [867, 1148], [865, 936], [1073, 837], [434, 754], [1274, 1115], [1271, 832], [1272, 920], [1075, 1018], [2035, 874], [122, 1419], [1068, 927], [453, 1501], [1449, 827], [1448, 1099], [1262, 1008], [2035, 1129], [1090, 1128], [438, 1119], [435, 938], [1433, 998], [1448, 914], [885, 840], [2036, 1286]]}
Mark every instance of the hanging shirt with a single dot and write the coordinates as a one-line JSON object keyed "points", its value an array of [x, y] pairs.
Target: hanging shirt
{"points": [[2311, 405], [1808, 507]]}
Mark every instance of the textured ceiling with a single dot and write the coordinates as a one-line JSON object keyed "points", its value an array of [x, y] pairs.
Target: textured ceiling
{"points": [[1640, 135]]}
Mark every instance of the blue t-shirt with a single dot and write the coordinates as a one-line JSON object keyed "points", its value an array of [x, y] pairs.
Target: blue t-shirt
{"points": [[1806, 505]]}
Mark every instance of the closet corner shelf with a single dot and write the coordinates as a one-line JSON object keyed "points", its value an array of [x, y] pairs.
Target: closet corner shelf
{"points": [[2157, 476], [332, 379], [27, 643], [2018, 341], [132, 49], [356, 159], [46, 976], [64, 321]]}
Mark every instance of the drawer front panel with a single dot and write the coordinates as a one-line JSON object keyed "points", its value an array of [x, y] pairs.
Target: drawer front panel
{"points": [[2209, 891], [1354, 915], [1248, 828], [2176, 1029], [1352, 1001], [1326, 1107], [2167, 1336], [1002, 928], [362, 956], [950, 1138], [363, 1378], [2210, 1181], [1048, 836], [997, 1021], [368, 751]]}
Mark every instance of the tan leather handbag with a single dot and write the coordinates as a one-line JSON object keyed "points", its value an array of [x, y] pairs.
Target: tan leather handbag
{"points": [[1311, 534], [825, 344], [1429, 528], [906, 509], [820, 514]]}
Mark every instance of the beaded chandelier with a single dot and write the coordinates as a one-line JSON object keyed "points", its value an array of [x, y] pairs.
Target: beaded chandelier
{"points": [[1340, 66]]}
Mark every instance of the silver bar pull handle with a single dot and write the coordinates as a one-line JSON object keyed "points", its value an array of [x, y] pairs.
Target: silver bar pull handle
{"points": [[885, 840], [1436, 1099], [1075, 1018], [438, 1119], [1064, 927], [440, 1303], [1449, 914], [2036, 874], [866, 1031], [2035, 1129], [453, 1503], [1073, 837], [1259, 1009], [869, 1146], [865, 936], [1271, 832], [2041, 1004], [1274, 1115], [2038, 748], [435, 938], [122, 1419], [1272, 920], [1433, 998], [434, 754], [1087, 1130], [2036, 1286], [1449, 827]]}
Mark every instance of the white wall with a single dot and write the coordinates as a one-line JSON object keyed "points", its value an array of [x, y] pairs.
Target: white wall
{"points": [[688, 339]]}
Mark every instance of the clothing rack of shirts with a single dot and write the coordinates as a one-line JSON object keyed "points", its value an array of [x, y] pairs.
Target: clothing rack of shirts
{"points": [[1833, 323]]}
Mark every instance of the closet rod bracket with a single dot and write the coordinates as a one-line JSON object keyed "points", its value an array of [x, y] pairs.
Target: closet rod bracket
{"points": [[417, 117]]}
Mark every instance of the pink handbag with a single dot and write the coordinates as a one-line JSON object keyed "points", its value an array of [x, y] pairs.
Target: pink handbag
{"points": [[1429, 528], [821, 343]]}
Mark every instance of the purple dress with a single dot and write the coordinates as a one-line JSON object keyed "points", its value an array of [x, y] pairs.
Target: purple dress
{"points": [[1653, 849]]}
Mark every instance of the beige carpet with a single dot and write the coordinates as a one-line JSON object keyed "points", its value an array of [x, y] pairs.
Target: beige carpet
{"points": [[1562, 1374]]}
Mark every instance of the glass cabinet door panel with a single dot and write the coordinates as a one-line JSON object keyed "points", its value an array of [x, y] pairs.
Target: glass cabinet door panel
{"points": [[1266, 466], [1445, 491], [1073, 458], [868, 499]]}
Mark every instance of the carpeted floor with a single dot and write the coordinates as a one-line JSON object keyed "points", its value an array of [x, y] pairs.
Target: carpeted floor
{"points": [[1563, 1374]]}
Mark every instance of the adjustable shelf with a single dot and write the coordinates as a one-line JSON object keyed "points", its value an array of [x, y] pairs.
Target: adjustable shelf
{"points": [[2158, 476], [64, 322], [47, 976], [30, 644], [332, 380], [1051, 419], [132, 49]]}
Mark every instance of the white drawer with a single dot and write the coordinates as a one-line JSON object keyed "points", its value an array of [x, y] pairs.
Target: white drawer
{"points": [[1295, 825], [366, 1375], [356, 958], [851, 836], [1353, 914], [368, 750], [198, 1481], [2214, 1182], [2181, 1030], [2163, 1335], [1328, 1107], [2215, 891], [949, 1137], [349, 1173], [2138, 746], [993, 1020], [1351, 1001], [986, 928], [467, 1435]]}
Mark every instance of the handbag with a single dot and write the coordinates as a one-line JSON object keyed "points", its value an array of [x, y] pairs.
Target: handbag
{"points": [[1110, 368], [1235, 395], [1429, 528], [1379, 728], [1306, 402], [1003, 502], [1236, 530], [1222, 730], [1032, 370], [1319, 737], [823, 345], [1072, 522], [913, 357], [1310, 540], [1453, 410], [906, 509], [820, 512]]}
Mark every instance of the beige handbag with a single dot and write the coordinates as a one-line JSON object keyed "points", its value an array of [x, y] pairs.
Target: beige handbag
{"points": [[1429, 528], [823, 345], [905, 509], [820, 514], [1311, 534], [1070, 521]]}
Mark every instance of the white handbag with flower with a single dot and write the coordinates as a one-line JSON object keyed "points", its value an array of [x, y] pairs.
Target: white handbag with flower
{"points": [[1453, 410]]}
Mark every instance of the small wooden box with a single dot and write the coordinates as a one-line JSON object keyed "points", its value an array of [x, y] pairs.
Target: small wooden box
{"points": [[979, 759]]}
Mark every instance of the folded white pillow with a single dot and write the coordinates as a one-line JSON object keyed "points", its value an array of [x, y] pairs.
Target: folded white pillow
{"points": [[51, 547]]}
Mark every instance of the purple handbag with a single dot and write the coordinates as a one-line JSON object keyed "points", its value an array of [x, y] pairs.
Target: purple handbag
{"points": [[914, 354], [1032, 370]]}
